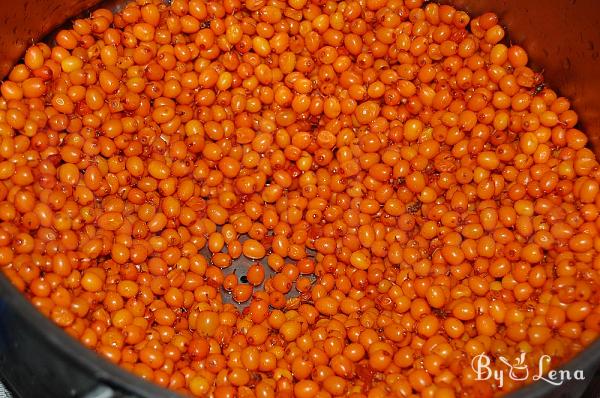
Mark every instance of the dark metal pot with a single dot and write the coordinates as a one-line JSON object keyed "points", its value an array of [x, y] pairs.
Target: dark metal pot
{"points": [[38, 359]]}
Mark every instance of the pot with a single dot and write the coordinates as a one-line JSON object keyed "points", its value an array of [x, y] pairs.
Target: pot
{"points": [[37, 358]]}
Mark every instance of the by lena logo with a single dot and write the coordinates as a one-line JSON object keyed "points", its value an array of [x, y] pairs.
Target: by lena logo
{"points": [[519, 371]]}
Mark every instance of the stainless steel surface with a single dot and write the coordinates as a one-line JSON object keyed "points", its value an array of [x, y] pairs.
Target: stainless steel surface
{"points": [[240, 266], [4, 393]]}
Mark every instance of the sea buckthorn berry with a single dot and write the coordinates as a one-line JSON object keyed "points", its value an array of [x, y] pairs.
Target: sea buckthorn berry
{"points": [[253, 249], [299, 199]]}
